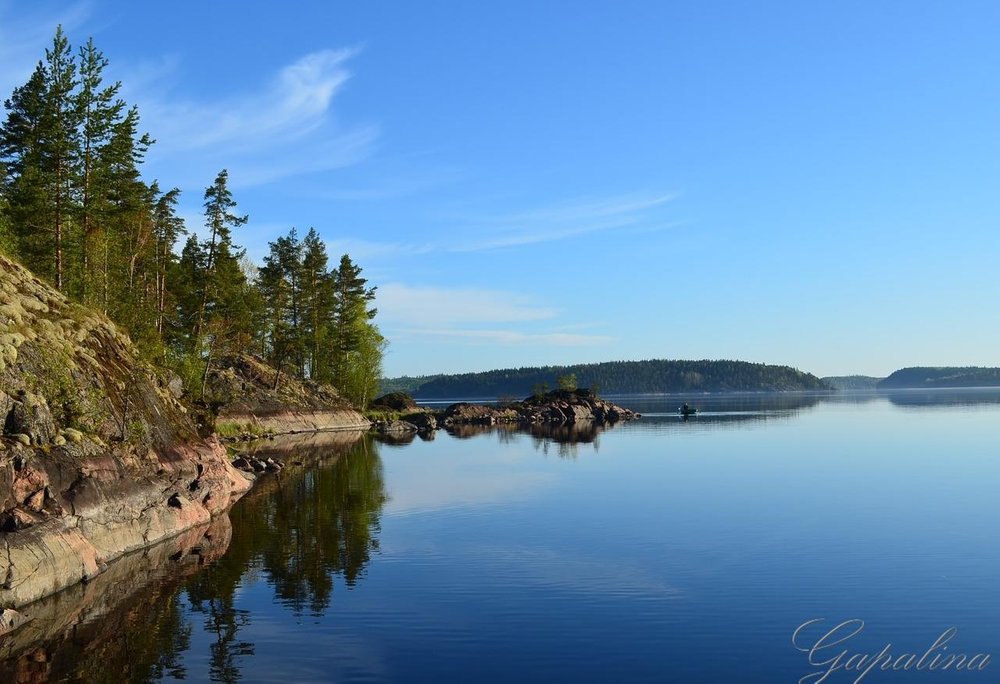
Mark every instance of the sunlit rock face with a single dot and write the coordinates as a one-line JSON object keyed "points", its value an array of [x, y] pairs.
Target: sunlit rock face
{"points": [[97, 456], [251, 397]]}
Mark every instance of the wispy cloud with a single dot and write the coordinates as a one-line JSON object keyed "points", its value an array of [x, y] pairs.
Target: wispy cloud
{"points": [[561, 221], [285, 127], [512, 337], [292, 106], [25, 32], [429, 306], [477, 316], [634, 214]]}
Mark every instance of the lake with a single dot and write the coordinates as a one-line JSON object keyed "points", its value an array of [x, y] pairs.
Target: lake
{"points": [[659, 550]]}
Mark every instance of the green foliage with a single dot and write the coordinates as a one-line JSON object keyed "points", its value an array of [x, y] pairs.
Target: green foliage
{"points": [[386, 415], [75, 210], [622, 377], [189, 367], [404, 383], [7, 242], [567, 382], [316, 323], [73, 404], [852, 382], [230, 429]]}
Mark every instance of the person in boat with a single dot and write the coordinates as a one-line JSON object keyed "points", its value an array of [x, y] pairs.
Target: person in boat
{"points": [[685, 408]]}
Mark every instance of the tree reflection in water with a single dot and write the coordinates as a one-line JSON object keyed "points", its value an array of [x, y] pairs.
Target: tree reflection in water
{"points": [[301, 531], [297, 531]]}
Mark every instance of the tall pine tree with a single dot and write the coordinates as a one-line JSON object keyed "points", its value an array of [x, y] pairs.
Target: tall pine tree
{"points": [[100, 110], [60, 148]]}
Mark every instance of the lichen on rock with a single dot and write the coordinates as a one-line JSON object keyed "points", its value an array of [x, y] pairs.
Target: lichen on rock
{"points": [[93, 445]]}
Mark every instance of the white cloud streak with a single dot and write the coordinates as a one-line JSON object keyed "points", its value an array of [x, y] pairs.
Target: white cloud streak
{"points": [[562, 221], [428, 306], [512, 337], [291, 107], [287, 127], [25, 33], [631, 213]]}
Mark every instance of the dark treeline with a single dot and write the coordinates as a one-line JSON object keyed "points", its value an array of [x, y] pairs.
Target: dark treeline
{"points": [[405, 383], [908, 378], [623, 377], [852, 382], [75, 209]]}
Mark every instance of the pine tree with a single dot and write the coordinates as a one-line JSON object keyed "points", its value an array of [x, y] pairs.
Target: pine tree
{"points": [[22, 180], [317, 307], [225, 315], [186, 283], [167, 228], [279, 286], [220, 220], [60, 148], [129, 242], [350, 326], [100, 110]]}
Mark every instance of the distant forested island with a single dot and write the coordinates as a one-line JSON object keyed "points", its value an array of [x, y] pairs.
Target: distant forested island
{"points": [[614, 377], [946, 376], [852, 382]]}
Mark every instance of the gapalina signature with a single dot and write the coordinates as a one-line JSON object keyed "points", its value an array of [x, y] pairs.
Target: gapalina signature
{"points": [[828, 653]]}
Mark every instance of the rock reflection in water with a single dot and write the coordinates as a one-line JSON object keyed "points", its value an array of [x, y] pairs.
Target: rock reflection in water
{"points": [[124, 625], [566, 436], [297, 531]]}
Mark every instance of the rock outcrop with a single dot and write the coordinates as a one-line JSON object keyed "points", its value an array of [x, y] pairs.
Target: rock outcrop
{"points": [[394, 401], [557, 407], [248, 395], [97, 457]]}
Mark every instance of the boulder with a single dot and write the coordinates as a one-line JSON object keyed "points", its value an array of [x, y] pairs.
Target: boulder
{"points": [[10, 620], [72, 435], [397, 426], [394, 401], [175, 385], [578, 413], [424, 422], [30, 415], [6, 404]]}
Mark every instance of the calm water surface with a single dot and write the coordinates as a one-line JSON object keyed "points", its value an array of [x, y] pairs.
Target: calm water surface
{"points": [[661, 550]]}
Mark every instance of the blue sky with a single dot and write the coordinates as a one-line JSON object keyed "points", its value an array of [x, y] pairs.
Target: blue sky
{"points": [[812, 184]]}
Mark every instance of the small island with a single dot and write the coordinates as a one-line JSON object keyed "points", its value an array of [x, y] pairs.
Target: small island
{"points": [[556, 407]]}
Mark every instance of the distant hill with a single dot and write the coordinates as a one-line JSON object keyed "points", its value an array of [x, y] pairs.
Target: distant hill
{"points": [[948, 376], [852, 382], [621, 377], [405, 383]]}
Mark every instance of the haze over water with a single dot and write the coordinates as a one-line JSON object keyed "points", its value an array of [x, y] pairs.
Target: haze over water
{"points": [[660, 550]]}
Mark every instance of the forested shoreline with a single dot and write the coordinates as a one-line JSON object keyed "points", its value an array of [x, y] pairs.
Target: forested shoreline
{"points": [[76, 210], [615, 377], [941, 376]]}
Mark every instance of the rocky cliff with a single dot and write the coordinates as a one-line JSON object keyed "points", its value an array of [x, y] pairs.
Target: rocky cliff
{"points": [[97, 458], [250, 397]]}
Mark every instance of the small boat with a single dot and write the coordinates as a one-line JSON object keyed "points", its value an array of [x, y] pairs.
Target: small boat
{"points": [[686, 410]]}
